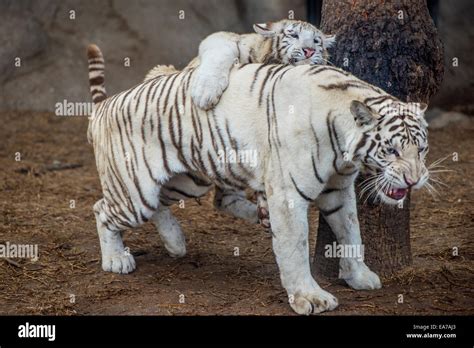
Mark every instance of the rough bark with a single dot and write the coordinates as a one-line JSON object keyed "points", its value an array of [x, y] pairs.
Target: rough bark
{"points": [[393, 45]]}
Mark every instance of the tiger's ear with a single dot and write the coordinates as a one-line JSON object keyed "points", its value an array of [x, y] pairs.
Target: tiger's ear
{"points": [[265, 29], [363, 116], [420, 109], [329, 41]]}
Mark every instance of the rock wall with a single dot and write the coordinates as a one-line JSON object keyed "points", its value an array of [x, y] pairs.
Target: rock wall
{"points": [[457, 34], [51, 45], [51, 41]]}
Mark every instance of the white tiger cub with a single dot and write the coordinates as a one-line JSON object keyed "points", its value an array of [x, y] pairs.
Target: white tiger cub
{"points": [[282, 42], [311, 151], [287, 42]]}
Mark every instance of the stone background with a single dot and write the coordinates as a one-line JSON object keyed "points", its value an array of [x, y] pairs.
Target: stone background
{"points": [[52, 46]]}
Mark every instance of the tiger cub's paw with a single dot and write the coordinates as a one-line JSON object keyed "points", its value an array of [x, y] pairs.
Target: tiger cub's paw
{"points": [[264, 217], [263, 210], [207, 88]]}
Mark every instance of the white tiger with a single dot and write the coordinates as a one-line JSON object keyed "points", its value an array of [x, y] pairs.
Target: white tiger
{"points": [[312, 128], [287, 42]]}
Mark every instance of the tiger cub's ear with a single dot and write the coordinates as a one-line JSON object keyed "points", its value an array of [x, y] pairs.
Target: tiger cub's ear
{"points": [[329, 40], [265, 29], [363, 116]]}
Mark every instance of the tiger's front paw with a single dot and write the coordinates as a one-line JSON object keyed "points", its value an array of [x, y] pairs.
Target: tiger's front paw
{"points": [[313, 302], [207, 88], [362, 278], [119, 263]]}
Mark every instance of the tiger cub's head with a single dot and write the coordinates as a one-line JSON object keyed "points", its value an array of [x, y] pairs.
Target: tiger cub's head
{"points": [[296, 42], [392, 149]]}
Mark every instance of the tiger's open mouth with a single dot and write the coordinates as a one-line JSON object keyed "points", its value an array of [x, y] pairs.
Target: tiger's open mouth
{"points": [[395, 193]]}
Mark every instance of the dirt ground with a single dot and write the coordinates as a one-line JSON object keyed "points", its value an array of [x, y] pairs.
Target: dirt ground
{"points": [[35, 208]]}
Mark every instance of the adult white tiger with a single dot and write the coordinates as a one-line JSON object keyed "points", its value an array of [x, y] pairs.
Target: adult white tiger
{"points": [[287, 42], [313, 128]]}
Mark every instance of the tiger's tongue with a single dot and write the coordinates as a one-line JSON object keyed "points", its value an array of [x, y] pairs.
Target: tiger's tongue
{"points": [[397, 193]]}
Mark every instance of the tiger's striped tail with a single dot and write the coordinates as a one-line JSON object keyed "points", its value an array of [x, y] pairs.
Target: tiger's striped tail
{"points": [[96, 73]]}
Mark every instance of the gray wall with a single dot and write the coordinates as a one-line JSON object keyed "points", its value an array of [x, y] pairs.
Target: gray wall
{"points": [[456, 29], [52, 47]]}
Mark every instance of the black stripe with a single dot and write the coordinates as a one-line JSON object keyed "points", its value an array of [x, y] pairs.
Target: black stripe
{"points": [[147, 165], [333, 127], [329, 190], [377, 100], [264, 83], [391, 129], [316, 139], [145, 113], [331, 211], [119, 128], [97, 81], [162, 143], [218, 176], [315, 170], [198, 181], [299, 191], [334, 162], [147, 204], [181, 192], [232, 202], [171, 79], [361, 142], [255, 76], [275, 120]]}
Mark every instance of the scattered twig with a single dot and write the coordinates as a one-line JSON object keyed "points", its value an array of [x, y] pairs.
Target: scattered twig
{"points": [[62, 166], [13, 263]]}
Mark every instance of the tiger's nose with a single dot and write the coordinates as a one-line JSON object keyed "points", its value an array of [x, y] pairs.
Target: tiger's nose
{"points": [[409, 181], [308, 52]]}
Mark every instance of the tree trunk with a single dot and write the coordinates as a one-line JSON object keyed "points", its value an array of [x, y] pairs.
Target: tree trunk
{"points": [[393, 45]]}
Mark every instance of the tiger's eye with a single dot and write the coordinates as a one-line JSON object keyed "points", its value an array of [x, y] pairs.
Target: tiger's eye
{"points": [[392, 151], [295, 36]]}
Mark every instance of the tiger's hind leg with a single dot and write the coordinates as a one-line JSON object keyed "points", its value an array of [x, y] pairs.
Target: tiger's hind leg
{"points": [[178, 189], [235, 202], [170, 231], [115, 257]]}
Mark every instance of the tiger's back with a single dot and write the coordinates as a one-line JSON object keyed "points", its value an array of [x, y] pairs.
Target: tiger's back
{"points": [[154, 131]]}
